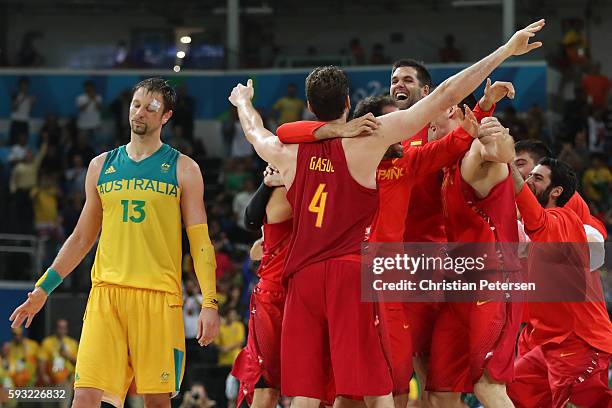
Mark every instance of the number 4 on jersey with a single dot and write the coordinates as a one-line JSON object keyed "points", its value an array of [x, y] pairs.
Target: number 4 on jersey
{"points": [[317, 204]]}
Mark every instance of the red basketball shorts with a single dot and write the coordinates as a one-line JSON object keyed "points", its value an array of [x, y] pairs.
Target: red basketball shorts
{"points": [[470, 337], [330, 337], [261, 356], [553, 374]]}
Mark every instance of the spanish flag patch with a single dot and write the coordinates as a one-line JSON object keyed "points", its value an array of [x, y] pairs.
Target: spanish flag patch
{"points": [[416, 143]]}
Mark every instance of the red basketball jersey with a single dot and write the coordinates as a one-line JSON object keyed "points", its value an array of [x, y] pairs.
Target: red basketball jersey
{"points": [[275, 247], [331, 211], [469, 218], [424, 222]]}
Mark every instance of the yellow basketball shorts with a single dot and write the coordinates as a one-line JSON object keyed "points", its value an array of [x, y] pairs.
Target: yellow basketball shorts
{"points": [[131, 334]]}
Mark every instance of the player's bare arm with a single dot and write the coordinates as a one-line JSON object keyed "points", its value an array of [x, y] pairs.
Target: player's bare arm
{"points": [[485, 164], [256, 252], [278, 208], [496, 146], [517, 178], [395, 126], [194, 217], [500, 147], [266, 144], [495, 93], [72, 252]]}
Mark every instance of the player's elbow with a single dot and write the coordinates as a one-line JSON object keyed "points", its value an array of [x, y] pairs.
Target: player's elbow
{"points": [[83, 239]]}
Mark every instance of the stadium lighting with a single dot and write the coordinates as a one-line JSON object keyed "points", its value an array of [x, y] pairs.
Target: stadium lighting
{"points": [[180, 54], [186, 39], [177, 68]]}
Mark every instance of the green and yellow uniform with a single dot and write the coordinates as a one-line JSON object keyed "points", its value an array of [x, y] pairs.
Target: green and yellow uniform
{"points": [[133, 324]]}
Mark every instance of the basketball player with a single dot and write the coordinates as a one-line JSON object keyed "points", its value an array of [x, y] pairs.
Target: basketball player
{"points": [[322, 270], [417, 166], [472, 342], [138, 194], [565, 361], [258, 364], [528, 154]]}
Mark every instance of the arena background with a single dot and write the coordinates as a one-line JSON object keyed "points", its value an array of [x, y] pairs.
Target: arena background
{"points": [[57, 45]]}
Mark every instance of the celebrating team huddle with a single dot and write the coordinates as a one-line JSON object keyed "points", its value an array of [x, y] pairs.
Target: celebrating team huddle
{"points": [[427, 166], [420, 165]]}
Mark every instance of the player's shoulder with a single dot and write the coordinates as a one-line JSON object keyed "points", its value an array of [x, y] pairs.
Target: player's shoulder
{"points": [[187, 171], [186, 163], [96, 164]]}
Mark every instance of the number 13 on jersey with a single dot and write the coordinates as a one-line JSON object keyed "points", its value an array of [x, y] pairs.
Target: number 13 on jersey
{"points": [[317, 204]]}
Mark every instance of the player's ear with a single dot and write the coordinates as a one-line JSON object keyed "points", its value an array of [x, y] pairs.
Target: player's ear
{"points": [[166, 117], [426, 90], [556, 192]]}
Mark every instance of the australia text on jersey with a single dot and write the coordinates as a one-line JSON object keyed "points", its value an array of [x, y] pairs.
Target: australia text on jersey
{"points": [[139, 184]]}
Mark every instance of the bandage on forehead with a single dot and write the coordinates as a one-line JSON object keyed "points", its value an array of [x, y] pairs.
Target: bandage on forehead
{"points": [[155, 105]]}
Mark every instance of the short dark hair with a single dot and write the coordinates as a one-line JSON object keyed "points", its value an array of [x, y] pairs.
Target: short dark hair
{"points": [[561, 174], [423, 74], [161, 86], [87, 83], [326, 90], [373, 105], [535, 148]]}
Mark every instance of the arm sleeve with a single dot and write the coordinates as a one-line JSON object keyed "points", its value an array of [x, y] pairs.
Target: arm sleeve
{"points": [[480, 114], [298, 132], [434, 155], [255, 211], [204, 263]]}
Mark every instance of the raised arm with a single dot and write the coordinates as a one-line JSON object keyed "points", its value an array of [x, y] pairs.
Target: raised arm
{"points": [[497, 147], [72, 252], [201, 249], [535, 219], [485, 164], [494, 93], [266, 144], [432, 156], [396, 125]]}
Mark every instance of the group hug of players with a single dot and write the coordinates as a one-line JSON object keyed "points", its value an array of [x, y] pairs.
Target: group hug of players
{"points": [[425, 166]]}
